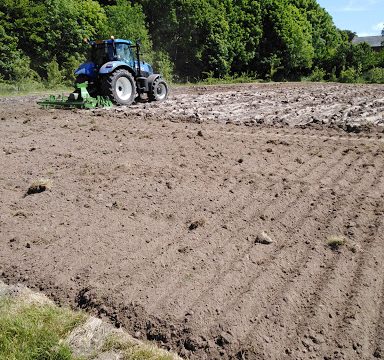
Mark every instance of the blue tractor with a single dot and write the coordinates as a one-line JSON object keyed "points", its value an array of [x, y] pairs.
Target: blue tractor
{"points": [[114, 70]]}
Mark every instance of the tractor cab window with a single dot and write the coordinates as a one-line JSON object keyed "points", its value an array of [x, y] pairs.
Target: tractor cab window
{"points": [[124, 53], [100, 53]]}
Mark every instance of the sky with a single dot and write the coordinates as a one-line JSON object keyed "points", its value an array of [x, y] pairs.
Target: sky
{"points": [[365, 17]]}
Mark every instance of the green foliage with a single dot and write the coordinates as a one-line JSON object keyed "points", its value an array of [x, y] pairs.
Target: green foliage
{"points": [[22, 71], [288, 40], [33, 332], [205, 35], [359, 56], [228, 79], [271, 65], [69, 66], [163, 65], [350, 75], [48, 28], [380, 58], [185, 40], [132, 351], [244, 19], [54, 75], [9, 53], [11, 87], [317, 75], [127, 21], [375, 75]]}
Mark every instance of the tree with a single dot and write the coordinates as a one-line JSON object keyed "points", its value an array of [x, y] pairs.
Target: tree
{"points": [[287, 39], [49, 28], [244, 18], [54, 75], [195, 34], [127, 21], [9, 53]]}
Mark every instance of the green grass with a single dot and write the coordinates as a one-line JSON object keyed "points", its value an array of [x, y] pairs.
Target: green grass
{"points": [[133, 351], [16, 89], [33, 332], [240, 79]]}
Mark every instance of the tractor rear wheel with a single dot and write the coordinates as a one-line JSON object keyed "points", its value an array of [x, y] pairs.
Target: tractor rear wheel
{"points": [[158, 90], [119, 87]]}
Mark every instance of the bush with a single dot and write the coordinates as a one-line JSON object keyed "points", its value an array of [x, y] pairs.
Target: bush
{"points": [[163, 65], [228, 79], [349, 75], [54, 75], [375, 75], [69, 67], [317, 75]]}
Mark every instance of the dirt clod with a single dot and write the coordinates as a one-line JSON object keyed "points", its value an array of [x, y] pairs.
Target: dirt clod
{"points": [[39, 186], [195, 224], [263, 238]]}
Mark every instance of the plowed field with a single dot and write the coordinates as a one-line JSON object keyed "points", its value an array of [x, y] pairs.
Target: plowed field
{"points": [[156, 213]]}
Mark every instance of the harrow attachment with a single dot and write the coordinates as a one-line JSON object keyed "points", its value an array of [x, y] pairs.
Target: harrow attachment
{"points": [[79, 99]]}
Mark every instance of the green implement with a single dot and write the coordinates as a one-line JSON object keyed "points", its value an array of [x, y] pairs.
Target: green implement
{"points": [[79, 99]]}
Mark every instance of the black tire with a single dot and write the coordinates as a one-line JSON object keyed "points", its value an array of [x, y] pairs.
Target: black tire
{"points": [[119, 87], [91, 88], [158, 91]]}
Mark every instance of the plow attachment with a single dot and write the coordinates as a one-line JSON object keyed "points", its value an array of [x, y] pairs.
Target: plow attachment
{"points": [[79, 99]]}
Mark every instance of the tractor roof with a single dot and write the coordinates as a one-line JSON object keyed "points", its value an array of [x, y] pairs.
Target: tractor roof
{"points": [[109, 41]]}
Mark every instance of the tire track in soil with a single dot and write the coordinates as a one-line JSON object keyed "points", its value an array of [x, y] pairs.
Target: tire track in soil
{"points": [[339, 336], [273, 135], [354, 304], [316, 296], [328, 269], [301, 263], [379, 331], [302, 166], [179, 238], [307, 169], [218, 278]]}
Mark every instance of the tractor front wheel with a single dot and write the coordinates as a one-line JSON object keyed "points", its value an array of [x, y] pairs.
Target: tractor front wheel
{"points": [[158, 90], [120, 87]]}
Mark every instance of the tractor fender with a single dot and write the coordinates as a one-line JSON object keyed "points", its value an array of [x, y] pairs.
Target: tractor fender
{"points": [[88, 69], [111, 66], [152, 78]]}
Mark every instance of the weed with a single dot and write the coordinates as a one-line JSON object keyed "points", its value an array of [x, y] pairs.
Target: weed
{"points": [[334, 242], [133, 351]]}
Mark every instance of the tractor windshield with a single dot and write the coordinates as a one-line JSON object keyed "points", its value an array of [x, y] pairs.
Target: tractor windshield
{"points": [[124, 53]]}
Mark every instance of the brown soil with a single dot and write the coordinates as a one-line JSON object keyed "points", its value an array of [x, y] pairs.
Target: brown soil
{"points": [[203, 223]]}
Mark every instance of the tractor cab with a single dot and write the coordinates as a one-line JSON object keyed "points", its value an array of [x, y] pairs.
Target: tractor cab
{"points": [[102, 52]]}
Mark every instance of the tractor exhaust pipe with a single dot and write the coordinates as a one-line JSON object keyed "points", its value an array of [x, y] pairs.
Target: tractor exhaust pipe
{"points": [[138, 44]]}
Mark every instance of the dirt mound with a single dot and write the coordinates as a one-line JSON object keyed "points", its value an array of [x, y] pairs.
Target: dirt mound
{"points": [[156, 211]]}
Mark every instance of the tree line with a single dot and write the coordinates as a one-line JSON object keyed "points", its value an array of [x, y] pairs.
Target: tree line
{"points": [[187, 40]]}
